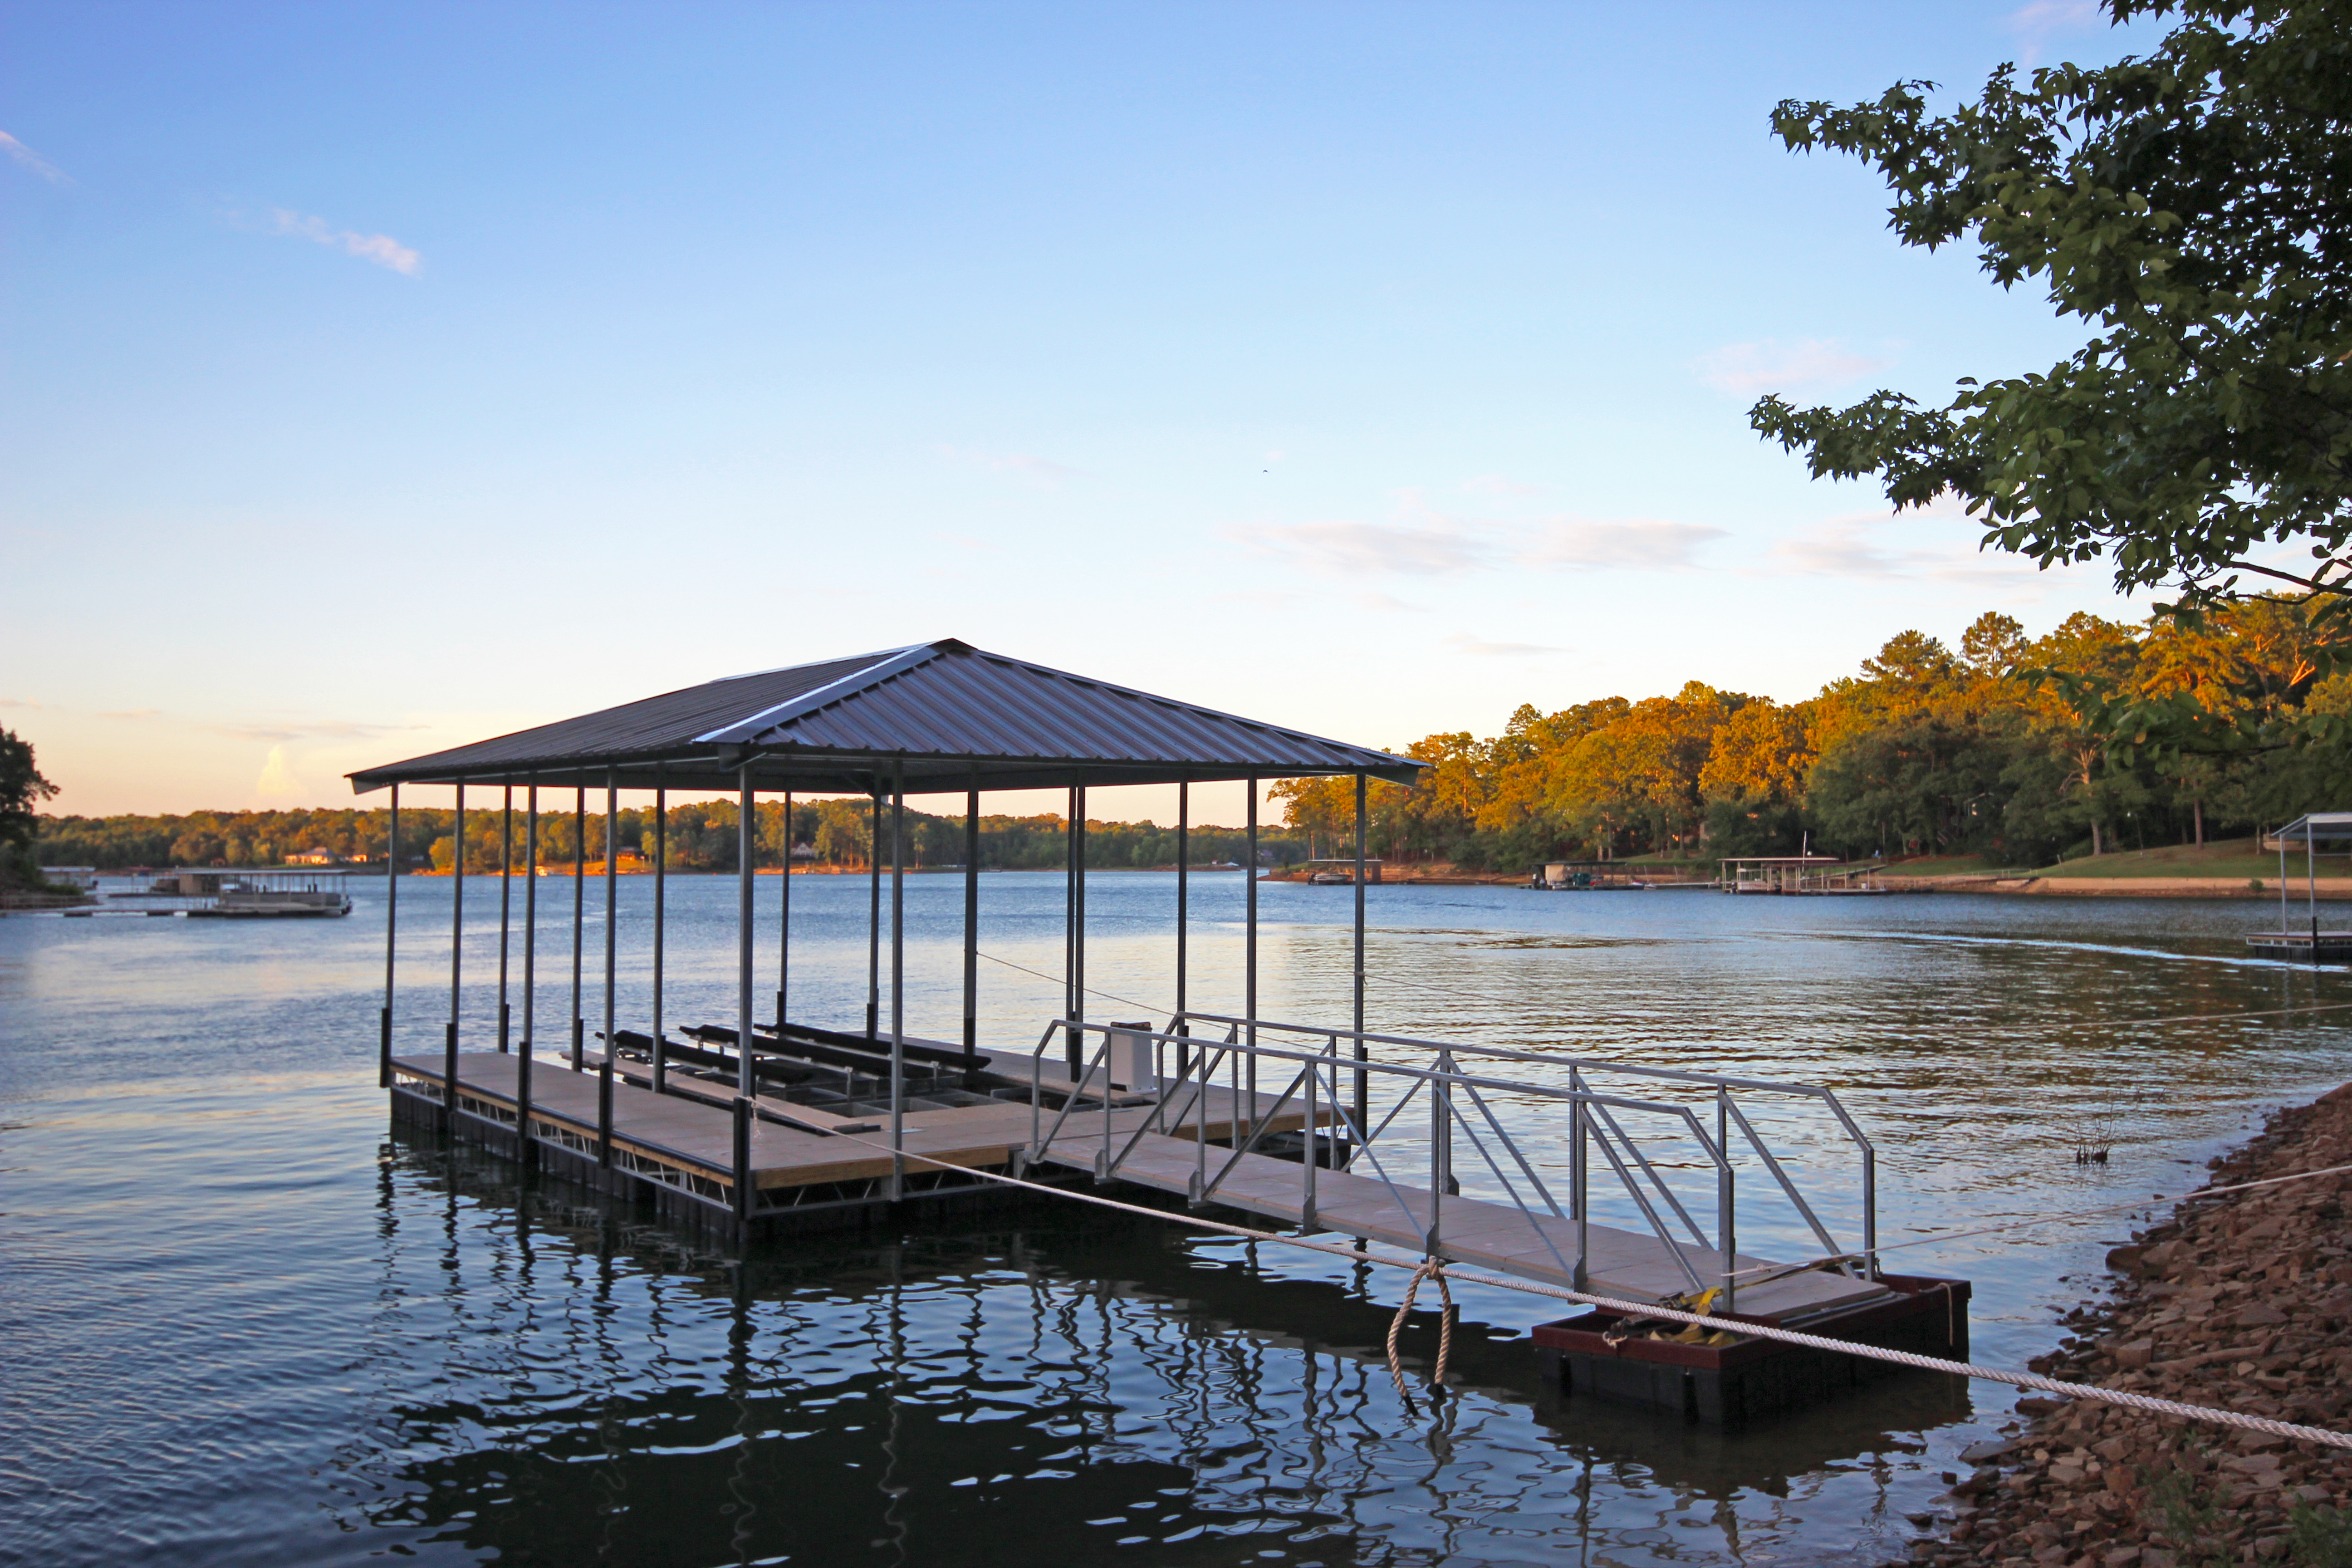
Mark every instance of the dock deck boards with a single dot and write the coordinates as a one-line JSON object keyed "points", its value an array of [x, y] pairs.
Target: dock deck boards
{"points": [[691, 1129]]}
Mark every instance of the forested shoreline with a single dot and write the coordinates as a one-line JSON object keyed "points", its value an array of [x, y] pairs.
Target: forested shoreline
{"points": [[701, 835], [2100, 735]]}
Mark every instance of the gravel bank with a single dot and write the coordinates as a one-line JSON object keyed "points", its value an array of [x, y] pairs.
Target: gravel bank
{"points": [[2242, 1303]]}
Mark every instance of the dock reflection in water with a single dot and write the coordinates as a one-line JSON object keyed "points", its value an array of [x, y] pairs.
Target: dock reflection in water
{"points": [[1042, 1392]]}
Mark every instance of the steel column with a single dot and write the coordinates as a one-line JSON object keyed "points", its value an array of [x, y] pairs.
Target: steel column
{"points": [[784, 923], [391, 930], [612, 900], [1070, 1042], [579, 916], [524, 1148], [897, 977], [505, 905], [1363, 1052], [744, 1078], [1079, 931], [1184, 897], [971, 931], [457, 968], [661, 880], [874, 918], [1249, 953]]}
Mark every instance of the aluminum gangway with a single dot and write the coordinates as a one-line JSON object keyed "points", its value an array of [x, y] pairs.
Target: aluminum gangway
{"points": [[1186, 1109]]}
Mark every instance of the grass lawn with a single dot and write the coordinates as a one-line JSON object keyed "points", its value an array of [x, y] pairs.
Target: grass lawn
{"points": [[2238, 859]]}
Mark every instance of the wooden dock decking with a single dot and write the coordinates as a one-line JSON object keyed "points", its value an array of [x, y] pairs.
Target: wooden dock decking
{"points": [[804, 1157]]}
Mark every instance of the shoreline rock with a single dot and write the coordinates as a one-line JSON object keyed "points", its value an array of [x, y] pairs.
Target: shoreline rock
{"points": [[2242, 1302]]}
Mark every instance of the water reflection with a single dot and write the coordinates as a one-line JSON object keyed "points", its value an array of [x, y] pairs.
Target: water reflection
{"points": [[1059, 1387]]}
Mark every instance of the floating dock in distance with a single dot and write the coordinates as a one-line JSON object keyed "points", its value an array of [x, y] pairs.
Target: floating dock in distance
{"points": [[2302, 946]]}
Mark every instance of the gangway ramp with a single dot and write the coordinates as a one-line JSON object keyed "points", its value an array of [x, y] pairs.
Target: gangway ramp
{"points": [[1471, 1231], [1525, 1232]]}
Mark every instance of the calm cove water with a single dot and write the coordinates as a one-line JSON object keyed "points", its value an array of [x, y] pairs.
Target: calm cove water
{"points": [[248, 1325]]}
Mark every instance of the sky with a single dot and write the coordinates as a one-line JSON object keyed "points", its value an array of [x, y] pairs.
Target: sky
{"points": [[379, 377]]}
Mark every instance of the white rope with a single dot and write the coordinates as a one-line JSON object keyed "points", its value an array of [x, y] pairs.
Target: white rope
{"points": [[1432, 1268]]}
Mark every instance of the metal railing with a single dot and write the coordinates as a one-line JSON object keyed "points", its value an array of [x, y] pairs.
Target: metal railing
{"points": [[1163, 1078]]}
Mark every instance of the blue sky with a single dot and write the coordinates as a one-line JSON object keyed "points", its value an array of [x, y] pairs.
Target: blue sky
{"points": [[377, 377]]}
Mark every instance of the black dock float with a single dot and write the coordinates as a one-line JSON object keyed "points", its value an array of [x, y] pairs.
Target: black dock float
{"points": [[1755, 1378]]}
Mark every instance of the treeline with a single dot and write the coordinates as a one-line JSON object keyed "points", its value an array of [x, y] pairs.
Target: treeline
{"points": [[2100, 735], [700, 836]]}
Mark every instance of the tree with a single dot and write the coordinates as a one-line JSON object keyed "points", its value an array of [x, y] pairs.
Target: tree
{"points": [[22, 789], [2195, 209]]}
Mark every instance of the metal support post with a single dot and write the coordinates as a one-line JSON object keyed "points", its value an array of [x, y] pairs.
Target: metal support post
{"points": [[612, 901], [1183, 893], [1249, 949], [898, 978], [1079, 927], [746, 1080], [1363, 1052], [505, 905], [457, 969], [874, 918], [742, 1158], [971, 931], [1577, 1173], [578, 917], [1070, 932], [661, 916], [391, 932], [1441, 1166], [525, 1148], [605, 1111], [784, 924], [1725, 1197]]}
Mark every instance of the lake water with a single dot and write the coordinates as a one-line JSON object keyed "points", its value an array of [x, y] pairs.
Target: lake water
{"points": [[248, 1325]]}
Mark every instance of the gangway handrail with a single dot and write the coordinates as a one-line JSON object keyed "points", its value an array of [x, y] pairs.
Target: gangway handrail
{"points": [[1202, 1057], [1720, 1081]]}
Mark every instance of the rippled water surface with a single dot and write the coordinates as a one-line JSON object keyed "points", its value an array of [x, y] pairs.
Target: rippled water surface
{"points": [[248, 1325]]}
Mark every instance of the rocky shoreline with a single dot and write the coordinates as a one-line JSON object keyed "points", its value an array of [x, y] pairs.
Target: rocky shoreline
{"points": [[2242, 1302]]}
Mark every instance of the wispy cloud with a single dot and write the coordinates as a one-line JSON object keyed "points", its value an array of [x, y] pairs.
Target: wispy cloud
{"points": [[1389, 604], [278, 731], [1344, 549], [1496, 485], [134, 714], [966, 541], [1425, 542], [1463, 642], [380, 248], [1041, 471], [1880, 545], [1650, 545], [1772, 365], [2033, 24], [24, 157], [17, 703]]}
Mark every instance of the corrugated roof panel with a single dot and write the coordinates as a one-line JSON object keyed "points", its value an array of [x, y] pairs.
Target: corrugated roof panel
{"points": [[948, 711]]}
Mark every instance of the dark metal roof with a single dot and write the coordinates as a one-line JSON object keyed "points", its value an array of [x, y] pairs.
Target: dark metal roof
{"points": [[956, 718]]}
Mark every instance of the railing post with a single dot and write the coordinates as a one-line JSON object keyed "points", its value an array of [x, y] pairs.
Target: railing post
{"points": [[1441, 1166], [1726, 1195], [1578, 1169], [1314, 1136], [1869, 1211]]}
